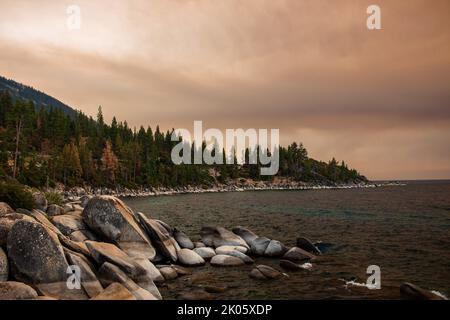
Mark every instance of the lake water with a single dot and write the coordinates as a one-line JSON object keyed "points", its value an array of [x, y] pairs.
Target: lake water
{"points": [[405, 230]]}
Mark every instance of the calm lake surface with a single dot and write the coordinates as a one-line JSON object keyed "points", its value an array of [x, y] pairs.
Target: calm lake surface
{"points": [[405, 230]]}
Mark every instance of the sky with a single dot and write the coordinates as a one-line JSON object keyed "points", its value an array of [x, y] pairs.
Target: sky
{"points": [[378, 99]]}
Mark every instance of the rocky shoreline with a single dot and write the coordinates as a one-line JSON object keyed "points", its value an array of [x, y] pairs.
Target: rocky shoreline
{"points": [[74, 193], [98, 248]]}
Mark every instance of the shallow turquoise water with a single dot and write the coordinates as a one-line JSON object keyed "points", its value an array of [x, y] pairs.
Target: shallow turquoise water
{"points": [[404, 230]]}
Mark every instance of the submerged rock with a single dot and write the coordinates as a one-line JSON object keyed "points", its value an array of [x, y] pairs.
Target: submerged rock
{"points": [[11, 290], [115, 291], [222, 260], [307, 245], [297, 254], [196, 294], [225, 249], [183, 240], [413, 292], [265, 272], [190, 258], [113, 220], [205, 252], [290, 266], [240, 255]]}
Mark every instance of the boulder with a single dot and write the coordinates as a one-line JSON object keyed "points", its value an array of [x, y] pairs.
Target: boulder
{"points": [[199, 244], [4, 268], [225, 249], [216, 237], [160, 237], [307, 245], [103, 252], [182, 239], [222, 260], [84, 200], [5, 209], [189, 257], [275, 249], [245, 234], [115, 291], [40, 201], [410, 291], [11, 290], [68, 207], [165, 226], [168, 272], [205, 253], [110, 218], [151, 271], [109, 273], [54, 210], [6, 223], [297, 254], [240, 255], [259, 245], [73, 227], [290, 266], [35, 253], [88, 278], [265, 272]]}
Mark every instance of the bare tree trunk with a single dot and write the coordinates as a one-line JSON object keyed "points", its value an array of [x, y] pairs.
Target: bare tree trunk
{"points": [[16, 154]]}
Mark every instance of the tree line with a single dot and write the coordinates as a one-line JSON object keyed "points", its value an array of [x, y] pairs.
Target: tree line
{"points": [[42, 146]]}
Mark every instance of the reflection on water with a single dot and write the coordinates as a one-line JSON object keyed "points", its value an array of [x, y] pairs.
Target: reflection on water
{"points": [[404, 230]]}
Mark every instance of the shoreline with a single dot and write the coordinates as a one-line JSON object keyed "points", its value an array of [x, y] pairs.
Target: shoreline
{"points": [[73, 193]]}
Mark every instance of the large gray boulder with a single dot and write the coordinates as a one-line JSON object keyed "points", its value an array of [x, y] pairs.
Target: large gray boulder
{"points": [[109, 273], [11, 290], [6, 223], [103, 252], [4, 269], [189, 257], [160, 237], [216, 237], [151, 271], [110, 218], [35, 253], [5, 209]]}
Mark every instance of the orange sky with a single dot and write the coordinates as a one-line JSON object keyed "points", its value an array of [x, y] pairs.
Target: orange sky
{"points": [[380, 100]]}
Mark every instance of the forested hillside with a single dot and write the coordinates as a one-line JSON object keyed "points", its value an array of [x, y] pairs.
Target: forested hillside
{"points": [[42, 146]]}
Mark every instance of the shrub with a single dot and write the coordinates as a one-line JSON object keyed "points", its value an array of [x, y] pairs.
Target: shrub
{"points": [[54, 198], [16, 195]]}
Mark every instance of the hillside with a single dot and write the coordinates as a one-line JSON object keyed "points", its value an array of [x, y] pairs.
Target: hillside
{"points": [[40, 99]]}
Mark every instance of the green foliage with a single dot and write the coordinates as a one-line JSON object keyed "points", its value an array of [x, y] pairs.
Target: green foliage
{"points": [[54, 198], [16, 195]]}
